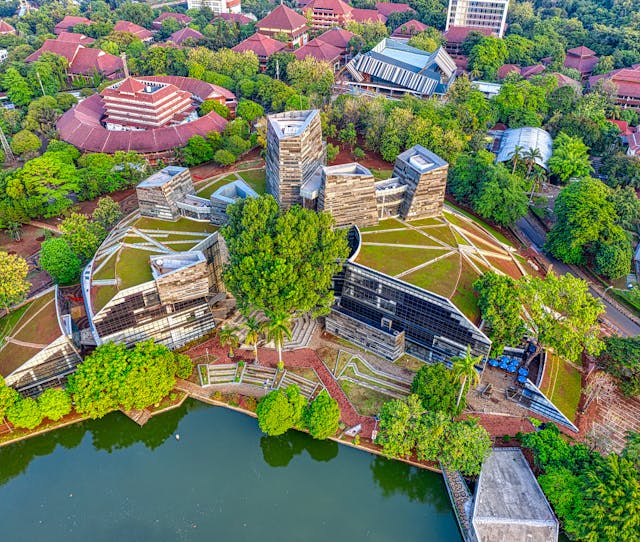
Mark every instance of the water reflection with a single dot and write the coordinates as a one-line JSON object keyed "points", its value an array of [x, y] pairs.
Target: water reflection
{"points": [[279, 451], [393, 478]]}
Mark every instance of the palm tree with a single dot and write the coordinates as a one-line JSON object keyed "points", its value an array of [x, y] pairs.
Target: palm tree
{"points": [[464, 368], [515, 156], [254, 330], [530, 156], [229, 336], [538, 177], [278, 327]]}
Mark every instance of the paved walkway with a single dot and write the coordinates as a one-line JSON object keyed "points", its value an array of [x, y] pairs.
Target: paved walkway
{"points": [[304, 358]]}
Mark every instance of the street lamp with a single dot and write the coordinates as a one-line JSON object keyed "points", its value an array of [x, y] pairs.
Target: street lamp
{"points": [[374, 433]]}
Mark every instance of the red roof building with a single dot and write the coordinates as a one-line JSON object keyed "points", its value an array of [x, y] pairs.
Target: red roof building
{"points": [[582, 59], [82, 127], [69, 22], [328, 13], [526, 72], [387, 8], [185, 34], [283, 20], [455, 36], [238, 18], [633, 139], [263, 46], [82, 62], [322, 51], [74, 37], [6, 28], [566, 81], [506, 69], [409, 29], [137, 30], [367, 16], [338, 37], [627, 82], [184, 20], [139, 103]]}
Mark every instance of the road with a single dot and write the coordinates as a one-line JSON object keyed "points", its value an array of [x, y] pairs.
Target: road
{"points": [[614, 316]]}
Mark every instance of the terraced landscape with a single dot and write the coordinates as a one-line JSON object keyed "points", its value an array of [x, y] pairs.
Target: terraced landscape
{"points": [[255, 178], [443, 255]]}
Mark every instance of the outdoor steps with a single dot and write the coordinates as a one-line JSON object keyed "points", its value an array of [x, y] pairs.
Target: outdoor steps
{"points": [[373, 387], [139, 416]]}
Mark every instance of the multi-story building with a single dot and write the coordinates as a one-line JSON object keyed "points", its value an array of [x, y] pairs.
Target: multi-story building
{"points": [[283, 21], [582, 59], [326, 14], [262, 46], [138, 104], [217, 6], [158, 195], [294, 152], [490, 14]]}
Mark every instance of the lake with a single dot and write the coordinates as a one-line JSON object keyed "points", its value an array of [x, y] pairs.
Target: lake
{"points": [[109, 480]]}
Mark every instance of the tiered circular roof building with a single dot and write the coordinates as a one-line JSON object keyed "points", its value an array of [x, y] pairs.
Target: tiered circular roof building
{"points": [[151, 115]]}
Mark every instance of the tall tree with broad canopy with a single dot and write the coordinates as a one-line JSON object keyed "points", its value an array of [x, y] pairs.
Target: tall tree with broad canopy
{"points": [[570, 158], [435, 387], [322, 416], [14, 285], [280, 410], [60, 261], [282, 262]]}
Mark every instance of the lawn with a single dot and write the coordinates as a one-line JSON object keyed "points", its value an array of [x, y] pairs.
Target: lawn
{"points": [[182, 224], [102, 295], [208, 190], [108, 271], [400, 237], [629, 297], [442, 233], [386, 224], [409, 362], [562, 385], [7, 323], [393, 260], [256, 178], [381, 174], [465, 298], [482, 224], [133, 267], [184, 246], [44, 327], [438, 277], [426, 222], [367, 402]]}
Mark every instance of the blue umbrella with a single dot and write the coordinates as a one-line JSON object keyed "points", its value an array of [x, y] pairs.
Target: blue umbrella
{"points": [[504, 359], [511, 369], [522, 379], [523, 371], [503, 365]]}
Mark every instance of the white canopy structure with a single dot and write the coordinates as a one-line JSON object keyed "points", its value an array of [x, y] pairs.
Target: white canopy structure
{"points": [[526, 138]]}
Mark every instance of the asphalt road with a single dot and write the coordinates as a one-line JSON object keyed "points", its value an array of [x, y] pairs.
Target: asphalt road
{"points": [[536, 236]]}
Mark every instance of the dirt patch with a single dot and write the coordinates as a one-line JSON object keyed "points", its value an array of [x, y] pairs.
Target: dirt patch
{"points": [[371, 160]]}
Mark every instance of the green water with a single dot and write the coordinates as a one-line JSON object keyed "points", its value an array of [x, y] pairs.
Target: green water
{"points": [[109, 480]]}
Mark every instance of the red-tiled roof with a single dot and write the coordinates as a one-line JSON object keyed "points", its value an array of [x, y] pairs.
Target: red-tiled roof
{"points": [[634, 142], [185, 34], [74, 37], [581, 51], [263, 46], [410, 28], [387, 8], [506, 69], [457, 34], [180, 17], [282, 18], [81, 125], [320, 50], [6, 28], [69, 22], [338, 37], [130, 86], [628, 82], [584, 64], [235, 17], [136, 30], [530, 71], [566, 81], [364, 15], [87, 61], [622, 125], [336, 6], [66, 49]]}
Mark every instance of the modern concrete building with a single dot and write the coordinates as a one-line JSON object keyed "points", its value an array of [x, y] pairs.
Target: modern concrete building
{"points": [[158, 195], [217, 6], [509, 503], [294, 152], [425, 176], [490, 14], [225, 196]]}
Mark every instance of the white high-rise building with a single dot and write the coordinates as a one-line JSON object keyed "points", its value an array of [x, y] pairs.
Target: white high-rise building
{"points": [[217, 6], [478, 13]]}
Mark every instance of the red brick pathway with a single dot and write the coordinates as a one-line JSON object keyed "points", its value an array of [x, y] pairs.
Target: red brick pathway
{"points": [[304, 357]]}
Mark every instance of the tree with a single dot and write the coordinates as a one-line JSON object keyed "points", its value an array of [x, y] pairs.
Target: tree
{"points": [[501, 197], [348, 135], [500, 309], [184, 365], [487, 56], [229, 337], [24, 142], [8, 396], [515, 156], [113, 377], [434, 385], [197, 151], [60, 261], [428, 40], [281, 262], [54, 403], [280, 410], [530, 156], [249, 111], [570, 158], [214, 105], [224, 157], [25, 413], [322, 416], [254, 330], [14, 285], [42, 116], [621, 358], [631, 450], [464, 371], [107, 213], [278, 327], [397, 431], [311, 77], [332, 152], [466, 446], [18, 90], [370, 33], [562, 314], [82, 235]]}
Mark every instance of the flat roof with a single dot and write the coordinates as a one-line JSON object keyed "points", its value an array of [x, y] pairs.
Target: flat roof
{"points": [[228, 193], [509, 499], [291, 123], [161, 177], [351, 168], [422, 159]]}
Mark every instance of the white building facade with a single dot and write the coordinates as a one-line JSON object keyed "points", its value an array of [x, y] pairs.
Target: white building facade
{"points": [[478, 13]]}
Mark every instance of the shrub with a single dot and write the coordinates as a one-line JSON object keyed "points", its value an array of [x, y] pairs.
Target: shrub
{"points": [[322, 416], [224, 157], [184, 366], [25, 413], [54, 404]]}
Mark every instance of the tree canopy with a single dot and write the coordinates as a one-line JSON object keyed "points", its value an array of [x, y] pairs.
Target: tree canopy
{"points": [[322, 416], [280, 410], [14, 285]]}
